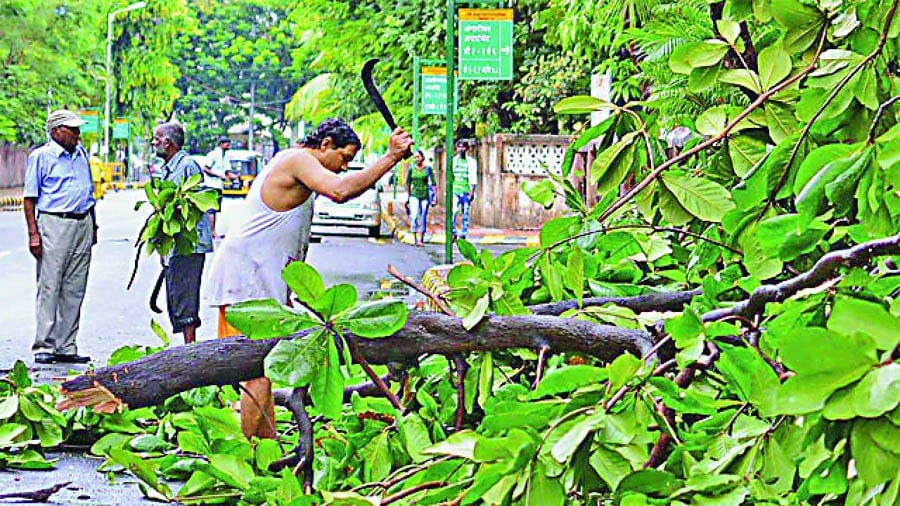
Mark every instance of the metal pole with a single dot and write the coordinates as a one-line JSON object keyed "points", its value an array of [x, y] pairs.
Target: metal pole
{"points": [[416, 81], [448, 141], [105, 147], [252, 100]]}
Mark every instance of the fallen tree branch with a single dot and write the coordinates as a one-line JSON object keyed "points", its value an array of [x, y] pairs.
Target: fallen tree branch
{"points": [[40, 495], [302, 455], [667, 301], [150, 380], [825, 269]]}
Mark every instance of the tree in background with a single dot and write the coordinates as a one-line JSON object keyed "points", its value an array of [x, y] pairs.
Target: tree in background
{"points": [[233, 46]]}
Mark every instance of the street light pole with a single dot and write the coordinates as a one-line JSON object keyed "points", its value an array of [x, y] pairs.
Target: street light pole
{"points": [[109, 23]]}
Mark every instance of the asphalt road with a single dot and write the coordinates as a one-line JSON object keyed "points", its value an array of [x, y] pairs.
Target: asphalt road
{"points": [[113, 316]]}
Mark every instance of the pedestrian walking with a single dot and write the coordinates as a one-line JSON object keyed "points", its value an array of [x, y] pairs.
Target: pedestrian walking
{"points": [[465, 178], [62, 228], [275, 232], [420, 190], [215, 175], [183, 272]]}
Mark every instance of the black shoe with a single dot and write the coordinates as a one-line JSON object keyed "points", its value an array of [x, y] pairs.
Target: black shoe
{"points": [[70, 359], [43, 358]]}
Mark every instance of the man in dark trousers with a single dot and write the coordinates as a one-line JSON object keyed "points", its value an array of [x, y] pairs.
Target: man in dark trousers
{"points": [[62, 228], [184, 271]]}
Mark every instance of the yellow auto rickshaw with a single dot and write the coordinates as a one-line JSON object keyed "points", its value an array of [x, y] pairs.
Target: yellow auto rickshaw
{"points": [[244, 166]]}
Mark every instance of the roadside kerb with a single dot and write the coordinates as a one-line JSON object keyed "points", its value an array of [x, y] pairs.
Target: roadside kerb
{"points": [[400, 231]]}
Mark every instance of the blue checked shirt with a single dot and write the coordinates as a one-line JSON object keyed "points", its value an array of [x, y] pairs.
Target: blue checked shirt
{"points": [[179, 168], [61, 182]]}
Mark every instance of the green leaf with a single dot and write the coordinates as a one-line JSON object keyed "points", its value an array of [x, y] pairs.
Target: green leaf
{"points": [[866, 89], [876, 394], [232, 470], [266, 318], [824, 362], [609, 465], [266, 452], [296, 362], [304, 281], [850, 316], [610, 166], [160, 332], [751, 376], [712, 121], [692, 55], [9, 432], [327, 386], [701, 197], [141, 469], [741, 77], [574, 278], [336, 299], [730, 30], [415, 437], [485, 378], [543, 490], [467, 250], [558, 229], [622, 370], [204, 200], [9, 406], [459, 444], [816, 160], [875, 464], [801, 20], [568, 379], [649, 481], [473, 317], [375, 319], [781, 120], [377, 457], [566, 445], [540, 191], [582, 104], [774, 65]]}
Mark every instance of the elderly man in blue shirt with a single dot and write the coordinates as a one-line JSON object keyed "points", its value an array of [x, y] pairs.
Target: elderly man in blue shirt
{"points": [[62, 227], [183, 272]]}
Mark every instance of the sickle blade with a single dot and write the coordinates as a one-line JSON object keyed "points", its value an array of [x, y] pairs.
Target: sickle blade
{"points": [[374, 94]]}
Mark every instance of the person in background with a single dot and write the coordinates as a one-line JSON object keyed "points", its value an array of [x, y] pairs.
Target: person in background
{"points": [[465, 177], [62, 228], [275, 232], [215, 175], [183, 272], [420, 188]]}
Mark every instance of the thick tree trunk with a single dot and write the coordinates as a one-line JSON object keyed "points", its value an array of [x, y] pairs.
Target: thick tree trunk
{"points": [[150, 380]]}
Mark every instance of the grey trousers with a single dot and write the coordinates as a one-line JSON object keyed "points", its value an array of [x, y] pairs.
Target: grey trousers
{"points": [[62, 273]]}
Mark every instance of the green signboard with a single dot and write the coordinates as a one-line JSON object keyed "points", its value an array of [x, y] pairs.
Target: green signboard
{"points": [[434, 90], [120, 128], [486, 44], [91, 120]]}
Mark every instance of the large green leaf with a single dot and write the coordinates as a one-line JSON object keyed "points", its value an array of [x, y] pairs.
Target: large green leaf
{"points": [[691, 55], [851, 315], [415, 436], [876, 394], [266, 318], [774, 65], [327, 386], [296, 362], [582, 104], [377, 457], [375, 319], [701, 197], [610, 166], [568, 379], [336, 299], [142, 470], [459, 444], [544, 490], [540, 192], [9, 406], [304, 281]]}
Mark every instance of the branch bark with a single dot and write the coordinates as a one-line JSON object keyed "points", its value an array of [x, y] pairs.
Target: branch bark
{"points": [[148, 381], [670, 301]]}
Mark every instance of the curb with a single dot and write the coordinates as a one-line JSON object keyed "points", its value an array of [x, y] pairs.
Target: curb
{"points": [[128, 185], [13, 201], [402, 234]]}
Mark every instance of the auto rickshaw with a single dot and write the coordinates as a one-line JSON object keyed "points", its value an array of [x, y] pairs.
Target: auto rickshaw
{"points": [[244, 166]]}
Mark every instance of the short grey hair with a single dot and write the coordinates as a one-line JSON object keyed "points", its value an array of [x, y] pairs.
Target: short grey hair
{"points": [[173, 131]]}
